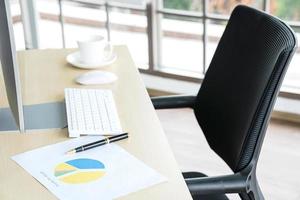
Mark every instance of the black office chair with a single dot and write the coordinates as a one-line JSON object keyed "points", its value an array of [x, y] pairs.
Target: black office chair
{"points": [[236, 98]]}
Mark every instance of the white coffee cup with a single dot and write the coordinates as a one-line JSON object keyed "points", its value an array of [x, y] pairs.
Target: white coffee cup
{"points": [[94, 49]]}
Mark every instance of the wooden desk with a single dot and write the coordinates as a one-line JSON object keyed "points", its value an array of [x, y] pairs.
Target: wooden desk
{"points": [[44, 75]]}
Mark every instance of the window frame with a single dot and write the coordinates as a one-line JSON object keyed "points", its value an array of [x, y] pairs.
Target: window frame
{"points": [[154, 12]]}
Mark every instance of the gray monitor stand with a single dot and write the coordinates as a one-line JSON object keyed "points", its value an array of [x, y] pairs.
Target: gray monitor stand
{"points": [[38, 116]]}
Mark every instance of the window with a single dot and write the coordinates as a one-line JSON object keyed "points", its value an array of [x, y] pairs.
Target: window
{"points": [[286, 9], [90, 21], [188, 5], [15, 12], [174, 38], [189, 47], [290, 10], [130, 27], [224, 7], [212, 17], [181, 44], [89, 17], [215, 30], [49, 28]]}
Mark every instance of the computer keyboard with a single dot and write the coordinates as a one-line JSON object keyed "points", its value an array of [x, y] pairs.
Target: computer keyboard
{"points": [[91, 112]]}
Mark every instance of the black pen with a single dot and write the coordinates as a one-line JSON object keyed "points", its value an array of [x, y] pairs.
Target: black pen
{"points": [[98, 143]]}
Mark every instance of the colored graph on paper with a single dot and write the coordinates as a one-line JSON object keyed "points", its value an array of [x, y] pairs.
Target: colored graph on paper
{"points": [[79, 171]]}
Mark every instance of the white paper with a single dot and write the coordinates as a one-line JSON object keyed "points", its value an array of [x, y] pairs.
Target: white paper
{"points": [[105, 172]]}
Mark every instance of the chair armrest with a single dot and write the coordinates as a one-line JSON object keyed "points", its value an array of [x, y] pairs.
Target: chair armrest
{"points": [[176, 101], [234, 183]]}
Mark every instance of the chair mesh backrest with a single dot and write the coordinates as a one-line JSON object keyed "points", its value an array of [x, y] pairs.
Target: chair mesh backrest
{"points": [[237, 94]]}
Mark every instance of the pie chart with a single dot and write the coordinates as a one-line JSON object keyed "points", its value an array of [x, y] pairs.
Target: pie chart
{"points": [[78, 171]]}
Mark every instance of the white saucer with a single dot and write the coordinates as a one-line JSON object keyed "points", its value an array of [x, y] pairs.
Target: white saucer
{"points": [[73, 59]]}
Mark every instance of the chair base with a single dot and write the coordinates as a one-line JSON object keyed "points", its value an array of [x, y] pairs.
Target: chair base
{"points": [[203, 197]]}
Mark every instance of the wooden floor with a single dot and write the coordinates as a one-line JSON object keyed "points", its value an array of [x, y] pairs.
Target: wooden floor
{"points": [[279, 164]]}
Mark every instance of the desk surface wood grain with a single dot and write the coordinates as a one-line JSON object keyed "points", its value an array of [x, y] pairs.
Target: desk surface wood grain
{"points": [[44, 75]]}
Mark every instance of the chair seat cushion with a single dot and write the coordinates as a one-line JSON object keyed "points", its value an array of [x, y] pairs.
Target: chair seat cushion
{"points": [[203, 197]]}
